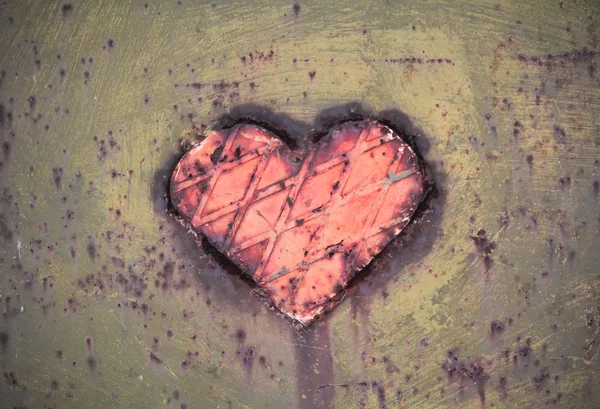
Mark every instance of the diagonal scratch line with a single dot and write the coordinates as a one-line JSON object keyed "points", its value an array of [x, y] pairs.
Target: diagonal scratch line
{"points": [[204, 199], [285, 212], [194, 180], [246, 201], [336, 199], [161, 362]]}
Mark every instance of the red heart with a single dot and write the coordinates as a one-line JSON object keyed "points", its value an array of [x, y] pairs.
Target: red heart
{"points": [[301, 227]]}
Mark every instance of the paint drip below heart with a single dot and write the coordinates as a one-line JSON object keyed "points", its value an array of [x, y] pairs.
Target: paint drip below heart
{"points": [[300, 224]]}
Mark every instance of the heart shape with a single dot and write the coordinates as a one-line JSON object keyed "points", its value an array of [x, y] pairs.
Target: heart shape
{"points": [[300, 226]]}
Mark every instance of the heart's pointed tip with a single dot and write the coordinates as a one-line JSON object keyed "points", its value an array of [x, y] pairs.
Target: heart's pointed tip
{"points": [[305, 320]]}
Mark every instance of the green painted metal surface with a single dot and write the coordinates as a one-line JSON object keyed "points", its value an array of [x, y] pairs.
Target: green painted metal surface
{"points": [[490, 299]]}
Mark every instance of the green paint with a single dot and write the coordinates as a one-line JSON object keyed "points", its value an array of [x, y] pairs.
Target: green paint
{"points": [[392, 177], [279, 273]]}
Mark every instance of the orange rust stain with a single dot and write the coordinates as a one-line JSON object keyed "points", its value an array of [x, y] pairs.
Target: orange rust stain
{"points": [[300, 228]]}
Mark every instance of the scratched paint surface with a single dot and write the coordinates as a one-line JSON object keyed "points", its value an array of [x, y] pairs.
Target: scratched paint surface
{"points": [[490, 298], [308, 225]]}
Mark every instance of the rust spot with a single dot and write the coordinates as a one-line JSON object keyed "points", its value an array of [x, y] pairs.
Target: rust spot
{"points": [[91, 361]]}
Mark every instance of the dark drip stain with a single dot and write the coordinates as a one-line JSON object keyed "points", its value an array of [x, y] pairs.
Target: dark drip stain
{"points": [[2, 117], [32, 102], [3, 341], [530, 161], [92, 364], [380, 390], [485, 248], [57, 174], [502, 391], [91, 249], [66, 9], [315, 367], [240, 335], [249, 359]]}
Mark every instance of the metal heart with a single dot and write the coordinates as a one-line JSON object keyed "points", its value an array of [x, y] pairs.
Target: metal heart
{"points": [[300, 226]]}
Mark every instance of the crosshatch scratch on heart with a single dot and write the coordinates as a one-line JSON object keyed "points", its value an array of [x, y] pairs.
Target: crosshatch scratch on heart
{"points": [[300, 224]]}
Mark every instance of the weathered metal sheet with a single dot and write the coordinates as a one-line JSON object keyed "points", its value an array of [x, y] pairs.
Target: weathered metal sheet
{"points": [[490, 297]]}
